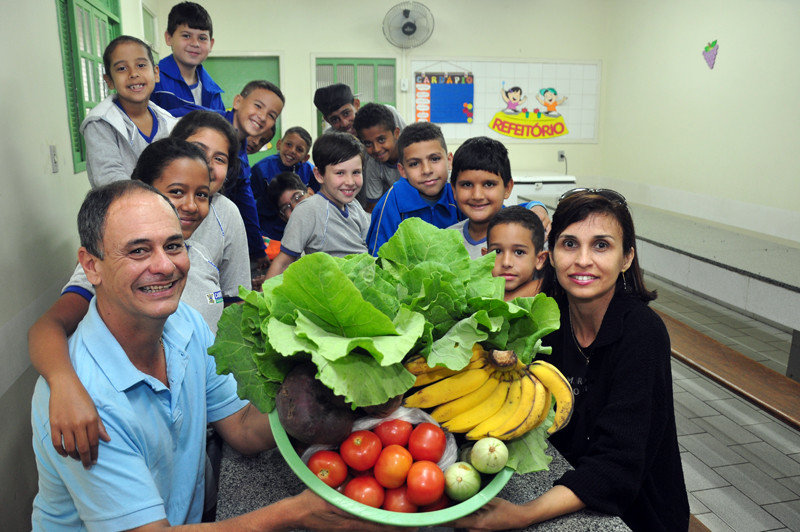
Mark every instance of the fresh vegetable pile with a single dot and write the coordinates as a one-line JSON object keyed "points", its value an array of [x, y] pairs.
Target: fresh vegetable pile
{"points": [[357, 319]]}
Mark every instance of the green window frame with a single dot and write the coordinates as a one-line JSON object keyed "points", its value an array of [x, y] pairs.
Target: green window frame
{"points": [[85, 29], [372, 80]]}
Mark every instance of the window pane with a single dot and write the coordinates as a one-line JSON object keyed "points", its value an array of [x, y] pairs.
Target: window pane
{"points": [[86, 21], [385, 92], [85, 80], [366, 83], [79, 30], [324, 75], [103, 86], [92, 81], [346, 75], [101, 39]]}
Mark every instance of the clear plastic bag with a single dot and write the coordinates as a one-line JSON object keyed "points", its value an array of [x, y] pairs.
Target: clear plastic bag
{"points": [[414, 416]]}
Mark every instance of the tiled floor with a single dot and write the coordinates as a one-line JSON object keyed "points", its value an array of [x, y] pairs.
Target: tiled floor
{"points": [[742, 466]]}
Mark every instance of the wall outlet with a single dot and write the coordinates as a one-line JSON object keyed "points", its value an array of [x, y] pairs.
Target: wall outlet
{"points": [[561, 156]]}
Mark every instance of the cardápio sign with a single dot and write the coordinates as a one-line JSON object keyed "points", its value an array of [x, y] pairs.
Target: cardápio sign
{"points": [[443, 97]]}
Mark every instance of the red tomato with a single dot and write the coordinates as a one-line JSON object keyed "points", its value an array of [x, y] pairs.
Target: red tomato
{"points": [[392, 466], [440, 504], [329, 467], [425, 483], [396, 500], [394, 431], [365, 490], [427, 442], [361, 450]]}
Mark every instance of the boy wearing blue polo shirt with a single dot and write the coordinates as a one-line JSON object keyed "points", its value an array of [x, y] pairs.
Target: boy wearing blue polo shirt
{"points": [[185, 85], [424, 191]]}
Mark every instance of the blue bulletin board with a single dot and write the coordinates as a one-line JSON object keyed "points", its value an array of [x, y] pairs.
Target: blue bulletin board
{"points": [[444, 97]]}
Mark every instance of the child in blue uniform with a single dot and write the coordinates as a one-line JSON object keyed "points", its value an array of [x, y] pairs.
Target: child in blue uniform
{"points": [[185, 85], [423, 192], [292, 156], [255, 111]]}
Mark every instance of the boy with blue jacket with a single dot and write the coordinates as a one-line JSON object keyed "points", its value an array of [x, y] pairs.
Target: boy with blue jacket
{"points": [[185, 85], [424, 191]]}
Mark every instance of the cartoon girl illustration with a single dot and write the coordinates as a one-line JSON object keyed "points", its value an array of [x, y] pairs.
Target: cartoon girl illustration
{"points": [[548, 98], [513, 98]]}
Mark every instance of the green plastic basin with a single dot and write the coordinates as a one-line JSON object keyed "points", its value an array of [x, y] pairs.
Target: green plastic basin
{"points": [[376, 514]]}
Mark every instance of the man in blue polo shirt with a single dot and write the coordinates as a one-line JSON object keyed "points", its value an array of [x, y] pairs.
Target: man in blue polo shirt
{"points": [[142, 356]]}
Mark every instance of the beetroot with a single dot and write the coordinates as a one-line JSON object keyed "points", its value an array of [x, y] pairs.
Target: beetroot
{"points": [[309, 411], [385, 409]]}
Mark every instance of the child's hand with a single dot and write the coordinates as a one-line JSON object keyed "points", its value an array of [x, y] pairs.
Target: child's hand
{"points": [[541, 212], [75, 426]]}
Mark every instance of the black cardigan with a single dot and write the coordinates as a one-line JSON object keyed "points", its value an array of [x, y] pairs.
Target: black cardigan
{"points": [[622, 439]]}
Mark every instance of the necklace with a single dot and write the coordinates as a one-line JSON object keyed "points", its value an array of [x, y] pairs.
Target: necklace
{"points": [[575, 339]]}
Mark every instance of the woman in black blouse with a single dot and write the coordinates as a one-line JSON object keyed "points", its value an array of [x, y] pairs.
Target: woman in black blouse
{"points": [[615, 351]]}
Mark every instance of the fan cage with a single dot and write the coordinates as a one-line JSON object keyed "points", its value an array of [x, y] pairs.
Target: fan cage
{"points": [[408, 24]]}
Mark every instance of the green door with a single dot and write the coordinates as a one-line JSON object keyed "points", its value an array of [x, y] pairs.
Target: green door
{"points": [[233, 73]]}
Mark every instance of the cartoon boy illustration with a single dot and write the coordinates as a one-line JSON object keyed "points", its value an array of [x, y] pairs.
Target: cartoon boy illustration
{"points": [[549, 98], [513, 98]]}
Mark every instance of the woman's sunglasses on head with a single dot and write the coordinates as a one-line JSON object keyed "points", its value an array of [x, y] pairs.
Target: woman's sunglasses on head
{"points": [[607, 193]]}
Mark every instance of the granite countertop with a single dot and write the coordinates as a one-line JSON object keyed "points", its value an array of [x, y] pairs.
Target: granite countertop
{"points": [[249, 483]]}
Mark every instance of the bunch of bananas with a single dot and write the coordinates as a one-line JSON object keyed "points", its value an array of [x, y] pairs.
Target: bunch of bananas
{"points": [[494, 395]]}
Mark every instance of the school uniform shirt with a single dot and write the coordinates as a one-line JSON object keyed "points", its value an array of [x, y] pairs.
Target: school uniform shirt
{"points": [[222, 234], [114, 143], [317, 224], [474, 247], [404, 201], [378, 178], [174, 94]]}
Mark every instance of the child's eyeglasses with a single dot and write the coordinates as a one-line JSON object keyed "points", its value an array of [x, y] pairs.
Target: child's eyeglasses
{"points": [[607, 193], [287, 208]]}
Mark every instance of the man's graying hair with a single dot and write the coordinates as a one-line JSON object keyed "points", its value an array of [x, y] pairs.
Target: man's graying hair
{"points": [[93, 212]]}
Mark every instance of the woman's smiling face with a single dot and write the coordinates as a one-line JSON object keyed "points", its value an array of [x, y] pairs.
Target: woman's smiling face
{"points": [[588, 257]]}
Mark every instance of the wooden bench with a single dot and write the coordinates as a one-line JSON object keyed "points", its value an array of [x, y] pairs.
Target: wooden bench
{"points": [[767, 389], [696, 526]]}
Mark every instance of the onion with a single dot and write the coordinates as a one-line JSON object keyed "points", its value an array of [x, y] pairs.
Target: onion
{"points": [[489, 455], [461, 481]]}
